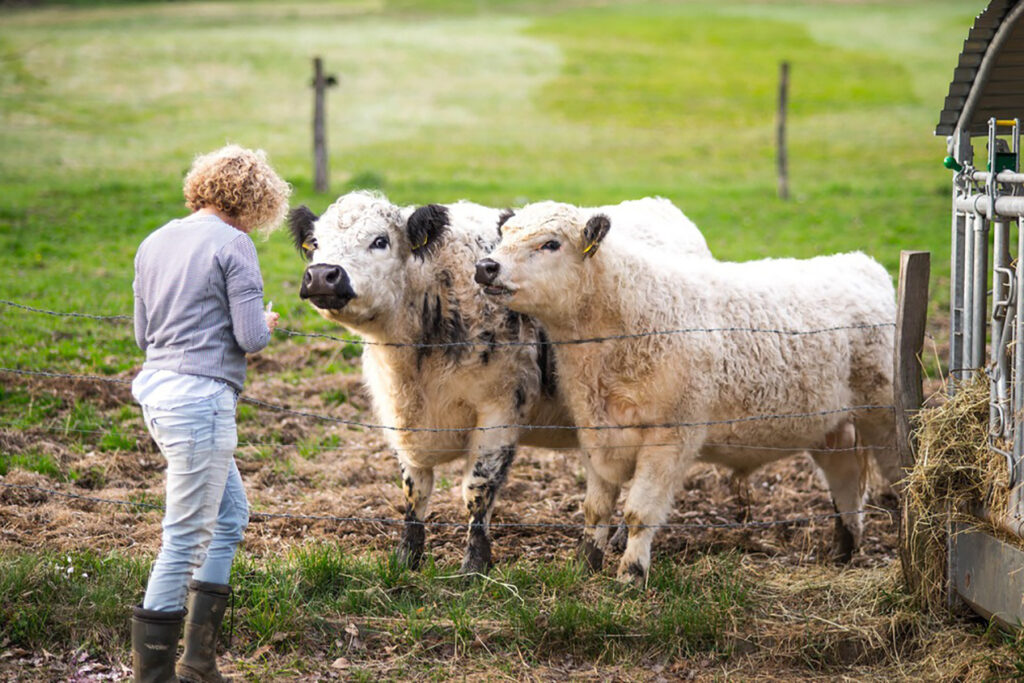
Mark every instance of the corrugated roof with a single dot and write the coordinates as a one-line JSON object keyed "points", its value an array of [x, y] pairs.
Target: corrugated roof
{"points": [[1002, 92]]}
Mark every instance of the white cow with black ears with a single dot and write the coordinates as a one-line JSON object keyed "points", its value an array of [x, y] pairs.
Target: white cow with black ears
{"points": [[453, 371], [648, 407]]}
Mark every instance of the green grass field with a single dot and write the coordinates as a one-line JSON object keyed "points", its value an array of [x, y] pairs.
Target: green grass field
{"points": [[102, 109], [103, 106]]}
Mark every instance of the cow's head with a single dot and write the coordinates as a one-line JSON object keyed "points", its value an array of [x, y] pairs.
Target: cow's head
{"points": [[358, 251], [539, 266]]}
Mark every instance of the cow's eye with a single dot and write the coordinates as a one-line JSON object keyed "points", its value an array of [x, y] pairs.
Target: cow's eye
{"points": [[551, 245], [381, 242]]}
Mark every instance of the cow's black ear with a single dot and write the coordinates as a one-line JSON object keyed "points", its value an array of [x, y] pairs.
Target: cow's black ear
{"points": [[425, 227], [300, 223], [597, 227], [503, 218]]}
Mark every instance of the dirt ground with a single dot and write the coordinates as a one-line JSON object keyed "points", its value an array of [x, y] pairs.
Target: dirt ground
{"points": [[358, 477]]}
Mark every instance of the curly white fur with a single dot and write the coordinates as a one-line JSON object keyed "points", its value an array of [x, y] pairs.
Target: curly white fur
{"points": [[405, 294], [589, 287]]}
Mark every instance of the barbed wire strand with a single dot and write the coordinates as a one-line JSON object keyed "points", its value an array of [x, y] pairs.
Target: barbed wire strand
{"points": [[449, 430], [793, 521], [589, 340], [90, 316], [349, 448], [499, 344]]}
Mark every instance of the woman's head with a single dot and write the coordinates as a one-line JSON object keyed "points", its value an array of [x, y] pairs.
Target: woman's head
{"points": [[239, 183]]}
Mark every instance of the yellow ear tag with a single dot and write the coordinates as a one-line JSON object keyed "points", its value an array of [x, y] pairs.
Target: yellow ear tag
{"points": [[422, 244], [306, 246], [589, 247]]}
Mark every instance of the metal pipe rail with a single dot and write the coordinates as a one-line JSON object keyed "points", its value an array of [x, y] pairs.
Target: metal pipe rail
{"points": [[1007, 207], [1006, 177]]}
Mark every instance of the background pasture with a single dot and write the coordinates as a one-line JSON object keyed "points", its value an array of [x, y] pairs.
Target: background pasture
{"points": [[103, 105]]}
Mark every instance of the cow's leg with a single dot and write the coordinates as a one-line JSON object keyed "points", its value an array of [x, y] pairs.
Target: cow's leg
{"points": [[658, 472], [484, 476], [845, 471], [598, 505], [417, 484], [740, 482], [618, 540], [877, 435]]}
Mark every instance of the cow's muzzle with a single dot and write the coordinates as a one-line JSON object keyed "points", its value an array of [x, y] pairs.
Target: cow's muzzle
{"points": [[326, 286], [486, 270]]}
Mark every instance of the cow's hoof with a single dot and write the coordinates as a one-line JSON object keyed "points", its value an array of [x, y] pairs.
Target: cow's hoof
{"points": [[478, 555], [410, 549], [843, 543], [590, 555], [409, 557], [632, 574], [619, 538]]}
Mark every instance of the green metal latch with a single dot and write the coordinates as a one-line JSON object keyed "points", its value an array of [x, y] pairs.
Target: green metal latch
{"points": [[952, 164], [1006, 161]]}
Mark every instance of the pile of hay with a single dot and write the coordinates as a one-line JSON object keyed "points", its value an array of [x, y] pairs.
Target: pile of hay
{"points": [[955, 472]]}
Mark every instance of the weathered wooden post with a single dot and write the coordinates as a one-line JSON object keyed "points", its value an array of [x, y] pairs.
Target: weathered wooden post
{"points": [[320, 85], [781, 159], [911, 316]]}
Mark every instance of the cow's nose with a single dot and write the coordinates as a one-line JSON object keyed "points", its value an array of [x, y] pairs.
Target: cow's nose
{"points": [[486, 270], [326, 280]]}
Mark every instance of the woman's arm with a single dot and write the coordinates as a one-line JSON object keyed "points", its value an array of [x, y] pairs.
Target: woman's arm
{"points": [[244, 283]]}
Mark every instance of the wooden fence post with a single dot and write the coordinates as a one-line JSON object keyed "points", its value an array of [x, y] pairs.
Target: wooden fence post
{"points": [[781, 158], [911, 316], [320, 85]]}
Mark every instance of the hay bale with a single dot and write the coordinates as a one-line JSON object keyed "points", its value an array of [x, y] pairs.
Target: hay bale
{"points": [[955, 472]]}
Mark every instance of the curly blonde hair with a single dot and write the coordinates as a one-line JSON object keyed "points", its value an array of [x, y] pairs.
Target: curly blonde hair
{"points": [[240, 183]]}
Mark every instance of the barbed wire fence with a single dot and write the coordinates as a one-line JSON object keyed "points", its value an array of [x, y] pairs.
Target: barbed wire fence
{"points": [[382, 521]]}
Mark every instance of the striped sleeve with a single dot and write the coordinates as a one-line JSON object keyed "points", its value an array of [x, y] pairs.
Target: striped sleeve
{"points": [[244, 283]]}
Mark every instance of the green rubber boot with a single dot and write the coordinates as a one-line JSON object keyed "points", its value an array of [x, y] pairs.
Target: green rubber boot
{"points": [[155, 644], [206, 605]]}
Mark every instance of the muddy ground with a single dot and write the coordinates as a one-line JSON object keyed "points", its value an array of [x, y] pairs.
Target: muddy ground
{"points": [[356, 476]]}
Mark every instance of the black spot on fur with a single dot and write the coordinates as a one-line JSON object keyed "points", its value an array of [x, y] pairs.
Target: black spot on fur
{"points": [[478, 551], [300, 224], [503, 218], [513, 321], [520, 398], [487, 337], [425, 227], [441, 323], [597, 227], [484, 245], [546, 362], [492, 470]]}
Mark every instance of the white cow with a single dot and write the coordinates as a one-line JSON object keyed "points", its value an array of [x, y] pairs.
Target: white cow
{"points": [[649, 407], [458, 375]]}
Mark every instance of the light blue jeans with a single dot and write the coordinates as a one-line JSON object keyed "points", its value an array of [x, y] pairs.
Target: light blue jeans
{"points": [[206, 511]]}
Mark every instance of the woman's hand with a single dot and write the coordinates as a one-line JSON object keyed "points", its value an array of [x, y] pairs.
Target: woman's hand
{"points": [[270, 316]]}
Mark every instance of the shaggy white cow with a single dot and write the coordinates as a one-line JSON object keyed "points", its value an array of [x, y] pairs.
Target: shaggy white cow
{"points": [[648, 407], [444, 364]]}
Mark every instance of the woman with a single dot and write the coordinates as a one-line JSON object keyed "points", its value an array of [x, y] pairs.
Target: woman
{"points": [[198, 311]]}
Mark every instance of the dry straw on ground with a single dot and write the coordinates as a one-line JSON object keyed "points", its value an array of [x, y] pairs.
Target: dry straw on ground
{"points": [[956, 472]]}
